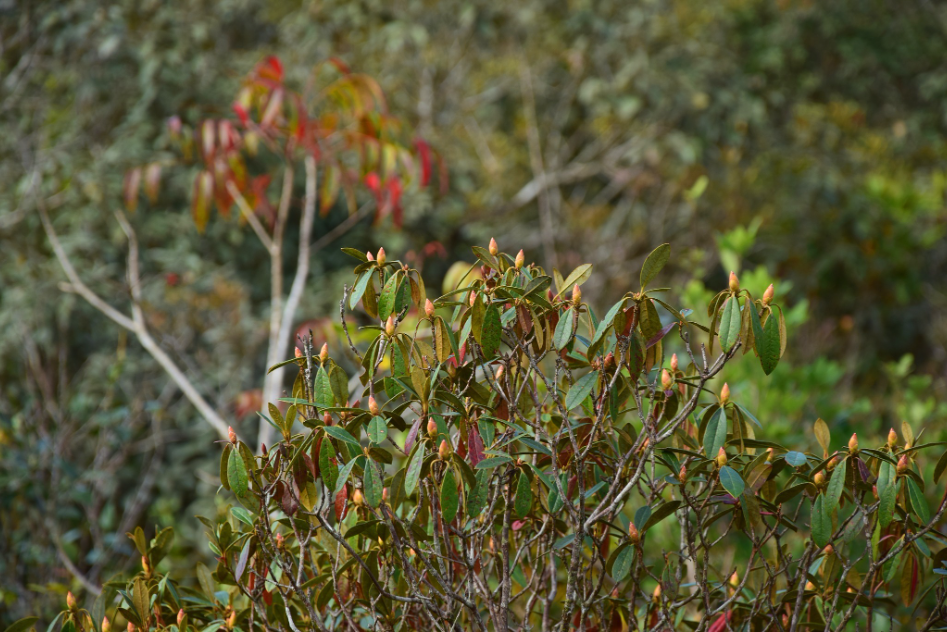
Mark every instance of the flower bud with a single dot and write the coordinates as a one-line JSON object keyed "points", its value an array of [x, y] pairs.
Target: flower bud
{"points": [[656, 595], [874, 491], [146, 565], [324, 352], [130, 627], [810, 586], [381, 258], [373, 406], [682, 474], [853, 444], [903, 464], [370, 256], [428, 308], [734, 282], [384, 495], [232, 620], [610, 361], [499, 373], [769, 455], [443, 451], [357, 497], [892, 438], [819, 479], [71, 601], [390, 326], [280, 543], [674, 362], [734, 579], [633, 534], [768, 295], [431, 427], [298, 353], [494, 250], [828, 550], [180, 618], [721, 459], [520, 260], [725, 394], [666, 381], [106, 625], [833, 462], [576, 294], [231, 435], [473, 299]]}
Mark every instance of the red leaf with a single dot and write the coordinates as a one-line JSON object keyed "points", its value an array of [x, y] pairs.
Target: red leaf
{"points": [[340, 503], [474, 444], [721, 622], [394, 201], [273, 108], [412, 435], [241, 113], [424, 154], [270, 68]]}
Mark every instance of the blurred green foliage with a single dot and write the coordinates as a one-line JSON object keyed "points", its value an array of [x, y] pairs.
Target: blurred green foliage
{"points": [[795, 140]]}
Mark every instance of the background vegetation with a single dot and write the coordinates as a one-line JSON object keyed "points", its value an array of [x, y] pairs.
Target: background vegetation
{"points": [[792, 140]]}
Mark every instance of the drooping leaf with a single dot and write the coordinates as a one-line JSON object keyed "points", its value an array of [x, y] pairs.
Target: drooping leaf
{"points": [[730, 324], [821, 523], [450, 499], [563, 333], [918, 502], [328, 469], [491, 332], [478, 497], [372, 484], [524, 496], [414, 471], [887, 485], [654, 263], [343, 476], [768, 346], [323, 389], [715, 435]]}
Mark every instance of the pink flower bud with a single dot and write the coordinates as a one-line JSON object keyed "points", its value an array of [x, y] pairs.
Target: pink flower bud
{"points": [[298, 353], [734, 283], [633, 534], [721, 457], [373, 406], [428, 308], [903, 464], [106, 625], [381, 258], [231, 435], [431, 427], [444, 450], [853, 444], [520, 260], [725, 394], [71, 601], [390, 326], [768, 295], [370, 256], [324, 352], [666, 382], [180, 617], [892, 438], [674, 362], [576, 295], [494, 250]]}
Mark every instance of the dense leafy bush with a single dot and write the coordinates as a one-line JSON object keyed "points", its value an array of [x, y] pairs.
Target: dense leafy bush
{"points": [[502, 457]]}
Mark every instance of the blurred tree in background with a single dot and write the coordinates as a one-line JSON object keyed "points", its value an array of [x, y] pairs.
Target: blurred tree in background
{"points": [[806, 138]]}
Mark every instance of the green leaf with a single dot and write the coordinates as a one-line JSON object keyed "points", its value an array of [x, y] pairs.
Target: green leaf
{"points": [[242, 515], [491, 332], [414, 470], [654, 263], [342, 435], [660, 514], [796, 459], [918, 502], [730, 324], [715, 435], [339, 384], [731, 481], [642, 515], [940, 467], [344, 474], [450, 500], [768, 345], [206, 580], [524, 496], [577, 277], [142, 598], [324, 397], [887, 485], [386, 302], [622, 565], [478, 497], [581, 389], [237, 474], [372, 484], [22, 625], [833, 492], [329, 471], [492, 462], [377, 430], [821, 523], [563, 333], [363, 280]]}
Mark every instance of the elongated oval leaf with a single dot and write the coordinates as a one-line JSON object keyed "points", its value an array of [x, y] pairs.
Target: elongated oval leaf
{"points": [[715, 434], [342, 435], [386, 302], [731, 481], [343, 476], [833, 492], [563, 335], [768, 346], [524, 496], [22, 625], [577, 277], [377, 430], [323, 390], [328, 469], [622, 565], [821, 523], [372, 484], [414, 471], [363, 280], [654, 263], [580, 390], [491, 332], [478, 497], [918, 502], [450, 499], [237, 474], [730, 324]]}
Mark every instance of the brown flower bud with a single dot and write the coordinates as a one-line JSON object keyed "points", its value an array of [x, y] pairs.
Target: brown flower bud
{"points": [[373, 406], [576, 294], [674, 362], [725, 394], [382, 257], [324, 352], [769, 455], [853, 444], [633, 534], [180, 617], [892, 438], [768, 295], [444, 450], [106, 625], [428, 308], [721, 459], [819, 479], [682, 474], [357, 497], [390, 326], [520, 260], [494, 250], [327, 418], [298, 353], [431, 427], [903, 464], [666, 381], [71, 601], [828, 550], [231, 435], [610, 361], [734, 282]]}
